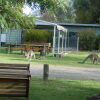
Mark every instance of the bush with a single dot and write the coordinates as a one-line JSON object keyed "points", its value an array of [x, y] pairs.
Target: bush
{"points": [[35, 35], [87, 40], [97, 42]]}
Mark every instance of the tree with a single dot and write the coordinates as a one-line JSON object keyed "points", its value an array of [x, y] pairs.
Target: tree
{"points": [[87, 39], [97, 42], [87, 11], [11, 15], [55, 10]]}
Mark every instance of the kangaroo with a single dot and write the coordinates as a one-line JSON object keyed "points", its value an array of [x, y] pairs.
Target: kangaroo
{"points": [[29, 54], [93, 57]]}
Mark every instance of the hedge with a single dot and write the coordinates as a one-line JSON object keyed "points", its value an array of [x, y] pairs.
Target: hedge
{"points": [[87, 39], [36, 35]]}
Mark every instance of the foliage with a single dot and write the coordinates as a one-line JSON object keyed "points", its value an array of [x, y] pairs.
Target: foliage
{"points": [[87, 11], [63, 89], [97, 42], [36, 35], [87, 40], [50, 4], [11, 16], [52, 10], [55, 10]]}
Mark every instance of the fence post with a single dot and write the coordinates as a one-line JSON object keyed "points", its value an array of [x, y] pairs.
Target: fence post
{"points": [[46, 72]]}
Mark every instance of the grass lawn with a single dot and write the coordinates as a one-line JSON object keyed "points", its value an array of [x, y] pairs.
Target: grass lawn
{"points": [[57, 89], [61, 89], [71, 59]]}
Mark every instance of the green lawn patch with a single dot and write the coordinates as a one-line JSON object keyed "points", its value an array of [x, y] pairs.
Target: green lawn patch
{"points": [[70, 59], [63, 89]]}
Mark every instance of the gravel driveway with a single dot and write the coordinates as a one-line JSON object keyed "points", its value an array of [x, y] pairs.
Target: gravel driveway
{"points": [[67, 72]]}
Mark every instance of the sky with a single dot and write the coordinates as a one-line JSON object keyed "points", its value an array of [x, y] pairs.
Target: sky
{"points": [[32, 10]]}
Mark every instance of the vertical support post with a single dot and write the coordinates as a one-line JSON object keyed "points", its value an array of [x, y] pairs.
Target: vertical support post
{"points": [[65, 42], [0, 43], [0, 36], [27, 89], [59, 41], [53, 50], [68, 38], [62, 42], [77, 43], [46, 72], [9, 42]]}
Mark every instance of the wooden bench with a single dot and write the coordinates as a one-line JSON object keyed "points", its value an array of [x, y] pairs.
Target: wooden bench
{"points": [[14, 80], [38, 46], [34, 46], [16, 47]]}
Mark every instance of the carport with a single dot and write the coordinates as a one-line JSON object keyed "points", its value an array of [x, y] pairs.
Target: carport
{"points": [[59, 35]]}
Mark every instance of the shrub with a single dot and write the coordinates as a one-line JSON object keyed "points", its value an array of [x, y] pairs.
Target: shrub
{"points": [[36, 35], [87, 40], [97, 42]]}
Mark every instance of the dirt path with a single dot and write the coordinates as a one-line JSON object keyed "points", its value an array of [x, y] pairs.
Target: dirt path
{"points": [[67, 72]]}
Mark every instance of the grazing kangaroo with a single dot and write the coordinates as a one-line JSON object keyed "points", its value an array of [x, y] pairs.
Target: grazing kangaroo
{"points": [[29, 54], [93, 57]]}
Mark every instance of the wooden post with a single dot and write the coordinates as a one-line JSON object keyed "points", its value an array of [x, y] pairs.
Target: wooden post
{"points": [[46, 72], [9, 49]]}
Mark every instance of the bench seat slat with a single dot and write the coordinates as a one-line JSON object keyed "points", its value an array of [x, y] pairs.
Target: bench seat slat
{"points": [[12, 90], [14, 75], [9, 72], [16, 68], [14, 65], [13, 95], [13, 82], [16, 78], [13, 87]]}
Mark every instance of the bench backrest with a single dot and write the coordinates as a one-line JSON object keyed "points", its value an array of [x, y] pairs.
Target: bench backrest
{"points": [[14, 80], [14, 66]]}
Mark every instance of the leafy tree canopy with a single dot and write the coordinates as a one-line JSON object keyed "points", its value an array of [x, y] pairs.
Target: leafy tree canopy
{"points": [[55, 10], [87, 11], [11, 15]]}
